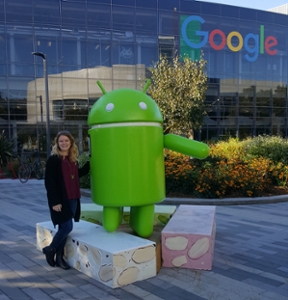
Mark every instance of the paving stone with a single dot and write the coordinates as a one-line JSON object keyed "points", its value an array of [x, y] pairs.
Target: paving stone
{"points": [[152, 297], [13, 292], [270, 295], [135, 290], [250, 257], [62, 296], [4, 297], [36, 294]]}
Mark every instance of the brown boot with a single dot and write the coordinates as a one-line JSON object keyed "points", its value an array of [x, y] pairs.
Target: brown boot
{"points": [[60, 262], [50, 254]]}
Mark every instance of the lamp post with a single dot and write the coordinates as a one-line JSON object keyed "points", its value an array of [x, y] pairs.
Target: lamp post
{"points": [[47, 101]]}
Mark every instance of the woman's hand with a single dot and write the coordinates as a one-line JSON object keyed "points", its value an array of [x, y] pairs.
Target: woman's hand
{"points": [[57, 207]]}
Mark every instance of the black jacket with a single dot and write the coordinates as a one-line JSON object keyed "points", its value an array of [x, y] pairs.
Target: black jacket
{"points": [[56, 191]]}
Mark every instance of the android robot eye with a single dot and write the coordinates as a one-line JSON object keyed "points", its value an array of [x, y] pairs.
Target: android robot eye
{"points": [[109, 107], [143, 105]]}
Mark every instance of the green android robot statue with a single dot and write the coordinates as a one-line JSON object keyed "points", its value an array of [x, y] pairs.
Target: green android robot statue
{"points": [[127, 157]]}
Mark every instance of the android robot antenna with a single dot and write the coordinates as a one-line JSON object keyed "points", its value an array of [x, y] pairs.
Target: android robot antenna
{"points": [[146, 86], [144, 89], [101, 87]]}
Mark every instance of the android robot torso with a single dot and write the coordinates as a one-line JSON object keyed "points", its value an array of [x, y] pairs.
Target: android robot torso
{"points": [[126, 146]]}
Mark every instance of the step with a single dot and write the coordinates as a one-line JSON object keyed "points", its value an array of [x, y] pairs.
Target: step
{"points": [[93, 213]]}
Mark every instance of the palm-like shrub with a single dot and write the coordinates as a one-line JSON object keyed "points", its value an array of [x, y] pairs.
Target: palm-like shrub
{"points": [[6, 150], [85, 180]]}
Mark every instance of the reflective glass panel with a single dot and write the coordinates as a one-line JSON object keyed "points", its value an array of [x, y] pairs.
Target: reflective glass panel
{"points": [[247, 14], [146, 21], [1, 11], [99, 1], [124, 53], [98, 53], [46, 12], [168, 23], [231, 11], [147, 3], [170, 5], [123, 18], [3, 49], [280, 19], [189, 7], [17, 97], [20, 47], [23, 69], [3, 98], [98, 16], [3, 69], [49, 45], [279, 100], [210, 9], [73, 15], [124, 2], [149, 54], [69, 52], [265, 16], [19, 12]]}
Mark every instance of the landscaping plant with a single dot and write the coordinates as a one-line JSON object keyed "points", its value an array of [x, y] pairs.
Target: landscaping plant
{"points": [[6, 150], [247, 168]]}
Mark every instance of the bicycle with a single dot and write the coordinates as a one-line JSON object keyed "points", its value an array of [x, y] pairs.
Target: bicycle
{"points": [[28, 168]]}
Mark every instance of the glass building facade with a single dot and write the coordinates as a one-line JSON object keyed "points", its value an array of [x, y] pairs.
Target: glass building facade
{"points": [[116, 41]]}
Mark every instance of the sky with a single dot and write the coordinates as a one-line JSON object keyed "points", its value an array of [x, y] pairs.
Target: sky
{"points": [[256, 4]]}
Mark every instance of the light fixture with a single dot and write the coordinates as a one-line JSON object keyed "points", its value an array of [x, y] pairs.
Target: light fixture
{"points": [[47, 101]]}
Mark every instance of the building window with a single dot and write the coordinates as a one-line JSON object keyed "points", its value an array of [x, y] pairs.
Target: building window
{"points": [[166, 46]]}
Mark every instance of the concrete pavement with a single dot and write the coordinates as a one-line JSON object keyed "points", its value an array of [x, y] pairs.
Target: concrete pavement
{"points": [[250, 262]]}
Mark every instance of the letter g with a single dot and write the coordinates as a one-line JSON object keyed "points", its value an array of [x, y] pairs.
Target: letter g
{"points": [[198, 33]]}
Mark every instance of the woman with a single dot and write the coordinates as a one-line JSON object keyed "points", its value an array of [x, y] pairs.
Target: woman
{"points": [[63, 193]]}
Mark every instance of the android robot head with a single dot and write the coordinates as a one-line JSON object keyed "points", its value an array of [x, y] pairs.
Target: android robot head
{"points": [[124, 105]]}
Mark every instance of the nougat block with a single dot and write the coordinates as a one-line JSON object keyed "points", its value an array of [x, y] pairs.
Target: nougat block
{"points": [[155, 237], [114, 259], [189, 237]]}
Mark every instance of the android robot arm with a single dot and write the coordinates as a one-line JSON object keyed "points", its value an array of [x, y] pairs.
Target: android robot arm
{"points": [[186, 146]]}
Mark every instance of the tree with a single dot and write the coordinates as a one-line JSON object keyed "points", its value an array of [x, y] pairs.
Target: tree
{"points": [[178, 87]]}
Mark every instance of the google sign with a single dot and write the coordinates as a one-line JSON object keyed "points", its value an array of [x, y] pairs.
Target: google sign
{"points": [[252, 43]]}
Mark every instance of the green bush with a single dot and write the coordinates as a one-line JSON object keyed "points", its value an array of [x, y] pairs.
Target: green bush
{"points": [[272, 147], [178, 172], [231, 148], [243, 168]]}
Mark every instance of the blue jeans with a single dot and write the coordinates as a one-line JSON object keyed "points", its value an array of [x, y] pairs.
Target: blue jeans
{"points": [[59, 239]]}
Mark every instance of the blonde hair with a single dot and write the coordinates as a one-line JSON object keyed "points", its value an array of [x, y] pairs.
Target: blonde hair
{"points": [[73, 151]]}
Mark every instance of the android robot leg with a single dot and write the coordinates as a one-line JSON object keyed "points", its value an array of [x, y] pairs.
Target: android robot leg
{"points": [[112, 217], [142, 219]]}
